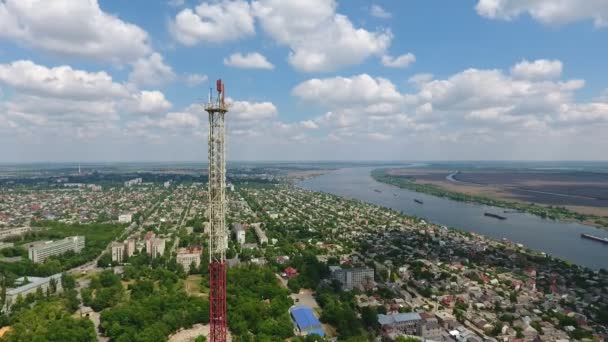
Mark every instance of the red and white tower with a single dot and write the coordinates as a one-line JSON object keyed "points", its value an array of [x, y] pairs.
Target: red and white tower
{"points": [[218, 237]]}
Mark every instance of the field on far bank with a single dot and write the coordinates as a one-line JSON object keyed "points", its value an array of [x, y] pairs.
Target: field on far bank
{"points": [[581, 192]]}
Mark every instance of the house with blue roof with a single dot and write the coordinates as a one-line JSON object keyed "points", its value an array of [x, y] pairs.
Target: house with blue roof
{"points": [[305, 320]]}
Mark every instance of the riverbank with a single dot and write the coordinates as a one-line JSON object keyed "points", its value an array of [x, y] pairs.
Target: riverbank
{"points": [[546, 212]]}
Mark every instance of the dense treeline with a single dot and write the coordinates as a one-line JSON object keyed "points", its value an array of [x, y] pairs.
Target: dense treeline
{"points": [[257, 305], [97, 236], [155, 306], [47, 317]]}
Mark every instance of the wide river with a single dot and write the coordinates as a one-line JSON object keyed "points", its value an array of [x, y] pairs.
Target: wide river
{"points": [[559, 239]]}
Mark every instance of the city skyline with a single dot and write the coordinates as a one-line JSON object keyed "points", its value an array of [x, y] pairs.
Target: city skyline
{"points": [[316, 80]]}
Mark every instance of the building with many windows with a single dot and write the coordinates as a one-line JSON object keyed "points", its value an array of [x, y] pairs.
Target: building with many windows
{"points": [[118, 252], [29, 285], [350, 278], [189, 256], [239, 233], [40, 251]]}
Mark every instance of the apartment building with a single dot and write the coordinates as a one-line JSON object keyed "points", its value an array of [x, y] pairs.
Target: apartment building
{"points": [[41, 250]]}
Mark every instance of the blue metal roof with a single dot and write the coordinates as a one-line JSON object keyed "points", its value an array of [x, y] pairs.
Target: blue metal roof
{"points": [[306, 320]]}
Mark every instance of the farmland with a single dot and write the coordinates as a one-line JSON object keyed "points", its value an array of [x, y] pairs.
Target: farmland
{"points": [[566, 194]]}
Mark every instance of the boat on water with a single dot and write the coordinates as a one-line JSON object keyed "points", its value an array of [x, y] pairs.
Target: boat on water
{"points": [[595, 238], [418, 201], [376, 190], [496, 216]]}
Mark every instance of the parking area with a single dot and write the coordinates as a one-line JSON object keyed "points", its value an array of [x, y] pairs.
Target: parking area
{"points": [[305, 298]]}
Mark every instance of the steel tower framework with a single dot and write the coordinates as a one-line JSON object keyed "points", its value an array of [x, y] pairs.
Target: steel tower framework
{"points": [[218, 237]]}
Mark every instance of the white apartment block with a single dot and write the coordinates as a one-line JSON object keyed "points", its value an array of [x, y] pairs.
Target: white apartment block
{"points": [[4, 233], [239, 232], [118, 252], [188, 256], [125, 218], [155, 246], [40, 251]]}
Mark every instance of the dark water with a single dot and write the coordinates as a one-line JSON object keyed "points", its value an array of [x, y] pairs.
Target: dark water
{"points": [[559, 239]]}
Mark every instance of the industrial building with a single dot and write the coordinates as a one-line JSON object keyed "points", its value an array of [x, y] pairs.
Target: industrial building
{"points": [[351, 278], [40, 251], [188, 257], [305, 320]]}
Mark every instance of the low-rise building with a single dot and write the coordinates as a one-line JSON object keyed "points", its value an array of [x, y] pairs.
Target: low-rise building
{"points": [[125, 218], [5, 233], [41, 250], [189, 256], [404, 323], [262, 238], [31, 285]]}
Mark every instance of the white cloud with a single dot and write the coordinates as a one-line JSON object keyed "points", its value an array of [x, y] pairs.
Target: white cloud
{"points": [[73, 28], [253, 60], [252, 111], [64, 101], [151, 70], [309, 124], [537, 70], [193, 80], [149, 102], [547, 11], [220, 21], [402, 61], [348, 90], [319, 38], [379, 12], [26, 76]]}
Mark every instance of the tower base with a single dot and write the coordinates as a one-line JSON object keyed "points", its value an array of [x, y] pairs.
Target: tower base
{"points": [[217, 302]]}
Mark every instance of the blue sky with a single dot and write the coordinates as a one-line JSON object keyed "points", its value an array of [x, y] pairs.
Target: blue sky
{"points": [[313, 80]]}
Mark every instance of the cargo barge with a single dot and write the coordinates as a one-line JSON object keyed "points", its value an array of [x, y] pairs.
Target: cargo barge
{"points": [[595, 238], [495, 216]]}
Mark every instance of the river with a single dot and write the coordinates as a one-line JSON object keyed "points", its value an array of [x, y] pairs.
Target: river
{"points": [[559, 239]]}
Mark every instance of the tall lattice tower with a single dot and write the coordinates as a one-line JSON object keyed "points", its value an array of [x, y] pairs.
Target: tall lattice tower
{"points": [[218, 237]]}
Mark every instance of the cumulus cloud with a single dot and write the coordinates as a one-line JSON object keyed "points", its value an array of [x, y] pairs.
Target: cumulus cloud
{"points": [[74, 28], [539, 69], [379, 12], [402, 61], [550, 12], [253, 60], [319, 38], [348, 90], [62, 98], [252, 111], [26, 76], [151, 71], [149, 102], [221, 21]]}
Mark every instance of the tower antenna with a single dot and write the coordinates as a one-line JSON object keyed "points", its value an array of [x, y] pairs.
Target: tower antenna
{"points": [[218, 236]]}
